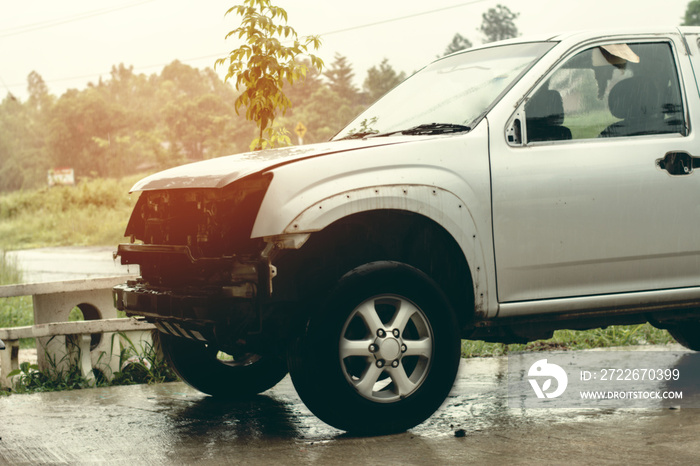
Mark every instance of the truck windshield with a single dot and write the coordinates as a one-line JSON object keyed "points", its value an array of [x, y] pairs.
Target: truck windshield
{"points": [[449, 95]]}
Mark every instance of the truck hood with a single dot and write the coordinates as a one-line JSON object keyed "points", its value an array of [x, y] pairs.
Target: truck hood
{"points": [[222, 171]]}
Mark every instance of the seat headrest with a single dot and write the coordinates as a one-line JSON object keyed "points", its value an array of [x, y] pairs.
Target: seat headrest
{"points": [[547, 106], [634, 98]]}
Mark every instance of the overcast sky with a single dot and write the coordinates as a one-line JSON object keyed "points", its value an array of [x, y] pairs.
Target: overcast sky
{"points": [[73, 42]]}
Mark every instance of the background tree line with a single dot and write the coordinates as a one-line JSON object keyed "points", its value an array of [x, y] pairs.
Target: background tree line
{"points": [[130, 123]]}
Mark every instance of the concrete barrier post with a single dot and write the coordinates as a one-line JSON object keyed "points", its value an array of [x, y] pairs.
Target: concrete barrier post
{"points": [[8, 362], [56, 307]]}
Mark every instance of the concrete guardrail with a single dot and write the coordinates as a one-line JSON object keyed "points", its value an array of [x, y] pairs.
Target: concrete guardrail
{"points": [[93, 345]]}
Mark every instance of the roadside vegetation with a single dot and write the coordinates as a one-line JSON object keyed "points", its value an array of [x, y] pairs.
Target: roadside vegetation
{"points": [[92, 213], [615, 335], [16, 311], [138, 364]]}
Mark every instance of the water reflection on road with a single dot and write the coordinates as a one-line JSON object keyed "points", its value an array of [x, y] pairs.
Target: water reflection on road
{"points": [[173, 424]]}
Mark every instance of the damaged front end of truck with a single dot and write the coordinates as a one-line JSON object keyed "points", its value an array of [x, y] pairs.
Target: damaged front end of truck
{"points": [[202, 276]]}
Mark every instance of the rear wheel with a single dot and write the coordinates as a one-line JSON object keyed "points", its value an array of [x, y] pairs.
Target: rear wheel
{"points": [[382, 354], [202, 367]]}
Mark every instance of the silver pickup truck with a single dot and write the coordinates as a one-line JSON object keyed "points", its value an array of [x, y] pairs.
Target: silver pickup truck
{"points": [[499, 193]]}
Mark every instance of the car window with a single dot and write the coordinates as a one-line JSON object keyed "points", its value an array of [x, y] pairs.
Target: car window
{"points": [[616, 90]]}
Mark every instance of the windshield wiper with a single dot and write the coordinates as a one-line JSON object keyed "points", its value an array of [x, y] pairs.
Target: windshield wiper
{"points": [[359, 135], [427, 129], [436, 128], [420, 130]]}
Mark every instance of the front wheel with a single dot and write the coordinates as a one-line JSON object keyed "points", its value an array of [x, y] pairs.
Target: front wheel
{"points": [[382, 354], [201, 367]]}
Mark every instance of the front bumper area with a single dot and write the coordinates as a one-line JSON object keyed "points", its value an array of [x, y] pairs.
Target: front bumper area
{"points": [[135, 298], [194, 297], [191, 315]]}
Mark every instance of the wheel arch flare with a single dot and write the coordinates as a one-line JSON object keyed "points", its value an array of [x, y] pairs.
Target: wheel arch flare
{"points": [[441, 206]]}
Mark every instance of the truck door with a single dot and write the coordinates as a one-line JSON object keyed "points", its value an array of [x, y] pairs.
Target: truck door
{"points": [[601, 195]]}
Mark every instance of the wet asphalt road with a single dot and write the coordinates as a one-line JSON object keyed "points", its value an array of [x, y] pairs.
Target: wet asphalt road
{"points": [[69, 263], [173, 424]]}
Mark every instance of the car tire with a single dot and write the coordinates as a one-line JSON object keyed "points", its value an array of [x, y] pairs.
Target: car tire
{"points": [[687, 334], [382, 353], [199, 366]]}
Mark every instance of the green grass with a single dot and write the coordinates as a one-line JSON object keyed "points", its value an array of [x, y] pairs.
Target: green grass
{"points": [[589, 125], [142, 363], [92, 213], [138, 364], [615, 335], [17, 311]]}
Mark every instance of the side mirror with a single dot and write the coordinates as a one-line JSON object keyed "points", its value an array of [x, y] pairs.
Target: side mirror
{"points": [[514, 129]]}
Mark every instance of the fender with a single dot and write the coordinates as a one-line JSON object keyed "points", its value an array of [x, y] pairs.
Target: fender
{"points": [[440, 205]]}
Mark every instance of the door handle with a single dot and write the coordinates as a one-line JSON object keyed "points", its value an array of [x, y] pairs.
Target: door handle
{"points": [[678, 163]]}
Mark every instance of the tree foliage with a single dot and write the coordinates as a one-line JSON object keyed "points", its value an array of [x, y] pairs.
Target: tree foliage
{"points": [[381, 80], [692, 14], [340, 78], [129, 123], [458, 43], [499, 24], [263, 64]]}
